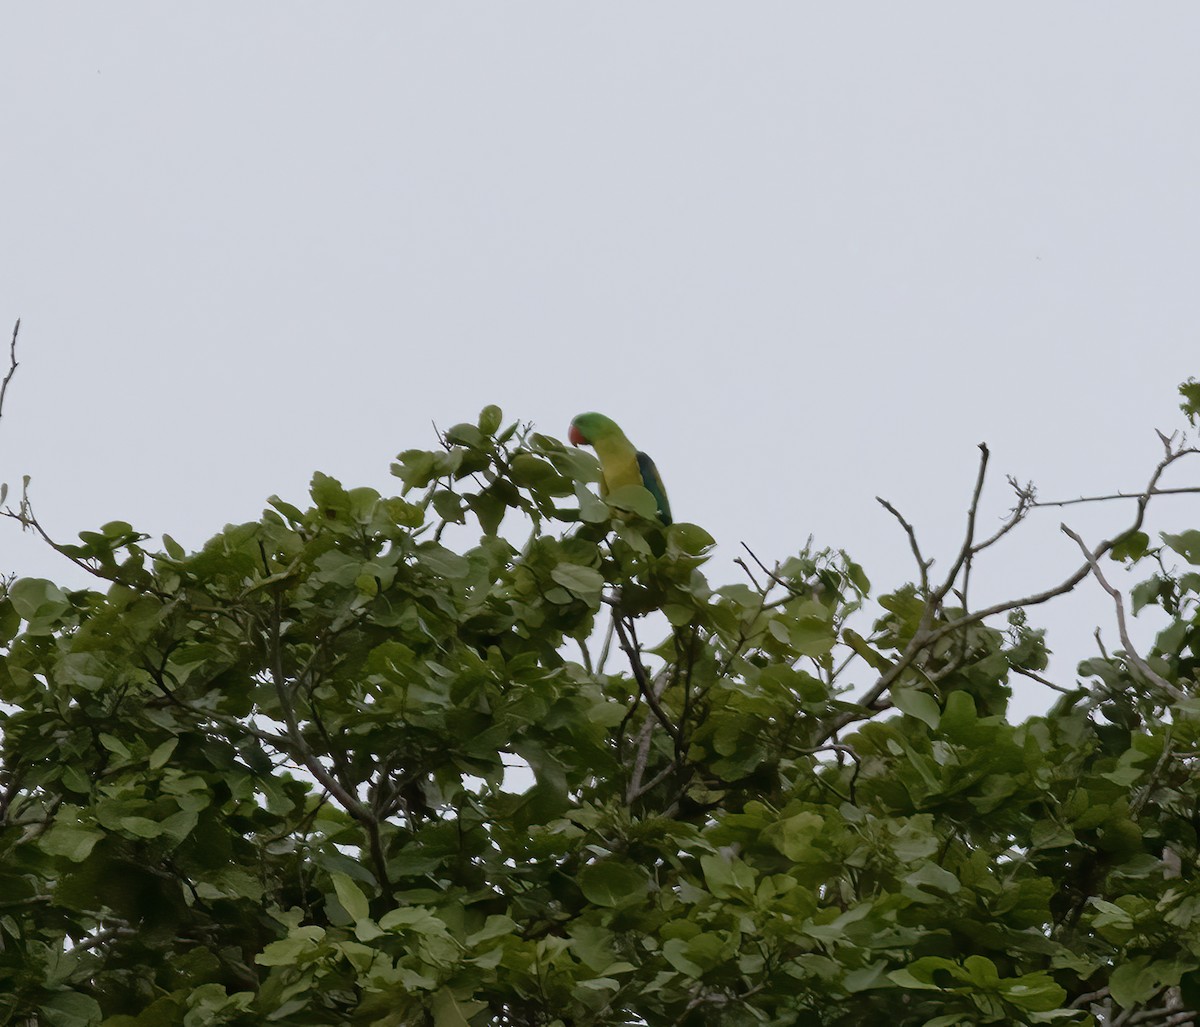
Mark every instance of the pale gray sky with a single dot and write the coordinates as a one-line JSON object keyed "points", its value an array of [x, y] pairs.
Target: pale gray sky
{"points": [[804, 253]]}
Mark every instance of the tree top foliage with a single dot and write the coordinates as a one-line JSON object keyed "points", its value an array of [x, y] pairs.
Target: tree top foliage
{"points": [[273, 780]]}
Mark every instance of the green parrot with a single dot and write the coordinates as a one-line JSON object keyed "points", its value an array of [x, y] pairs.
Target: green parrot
{"points": [[620, 463]]}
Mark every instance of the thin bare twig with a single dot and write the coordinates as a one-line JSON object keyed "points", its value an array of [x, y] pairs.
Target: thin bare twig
{"points": [[1034, 676], [772, 575], [1134, 657], [968, 549], [642, 756], [750, 574], [1115, 495], [923, 565], [1026, 494], [12, 365]]}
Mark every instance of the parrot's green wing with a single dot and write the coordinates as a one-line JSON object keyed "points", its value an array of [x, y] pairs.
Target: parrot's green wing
{"points": [[653, 483]]}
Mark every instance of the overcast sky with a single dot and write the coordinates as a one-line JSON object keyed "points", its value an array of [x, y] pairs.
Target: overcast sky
{"points": [[804, 253]]}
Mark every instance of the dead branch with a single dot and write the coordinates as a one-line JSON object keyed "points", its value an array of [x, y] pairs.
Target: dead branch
{"points": [[968, 549], [12, 365], [923, 565], [1116, 495]]}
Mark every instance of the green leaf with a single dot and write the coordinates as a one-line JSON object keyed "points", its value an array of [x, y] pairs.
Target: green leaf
{"points": [[875, 659], [287, 951], [353, 901], [581, 581], [675, 952], [71, 841], [1132, 546], [931, 877], [37, 598], [114, 745], [465, 435], [609, 883], [634, 499], [10, 621], [142, 827], [162, 753], [1186, 544], [490, 419], [1190, 391], [496, 926], [793, 836], [449, 1010], [1037, 992], [1133, 982], [71, 1009], [689, 539], [1139, 979], [921, 705]]}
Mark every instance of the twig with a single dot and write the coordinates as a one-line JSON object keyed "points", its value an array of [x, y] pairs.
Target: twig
{"points": [[841, 750], [1116, 495], [749, 573], [643, 683], [911, 532], [642, 756], [1143, 796], [1026, 494], [772, 575], [1089, 996], [100, 937], [968, 549], [12, 365], [604, 649], [1135, 658], [1034, 676]]}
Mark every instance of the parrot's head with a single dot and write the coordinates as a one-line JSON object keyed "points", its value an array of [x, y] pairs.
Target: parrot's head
{"points": [[587, 428]]}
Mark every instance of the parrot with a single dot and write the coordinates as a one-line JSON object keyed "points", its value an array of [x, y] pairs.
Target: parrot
{"points": [[620, 463]]}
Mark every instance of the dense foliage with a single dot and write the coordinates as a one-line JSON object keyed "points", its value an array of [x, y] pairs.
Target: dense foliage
{"points": [[273, 780]]}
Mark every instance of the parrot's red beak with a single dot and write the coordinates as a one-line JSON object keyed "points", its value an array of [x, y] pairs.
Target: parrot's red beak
{"points": [[575, 437]]}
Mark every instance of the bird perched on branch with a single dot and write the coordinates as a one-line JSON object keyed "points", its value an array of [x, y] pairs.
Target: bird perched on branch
{"points": [[620, 463]]}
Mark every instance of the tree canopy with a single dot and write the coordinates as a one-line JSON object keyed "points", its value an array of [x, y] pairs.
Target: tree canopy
{"points": [[282, 779]]}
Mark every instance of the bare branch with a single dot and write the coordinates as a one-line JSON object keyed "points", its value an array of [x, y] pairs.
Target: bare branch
{"points": [[636, 788], [1026, 495], [773, 575], [1034, 676], [1115, 495], [749, 573], [1134, 657], [643, 682], [968, 547], [1088, 997], [925, 635], [12, 365], [910, 531]]}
